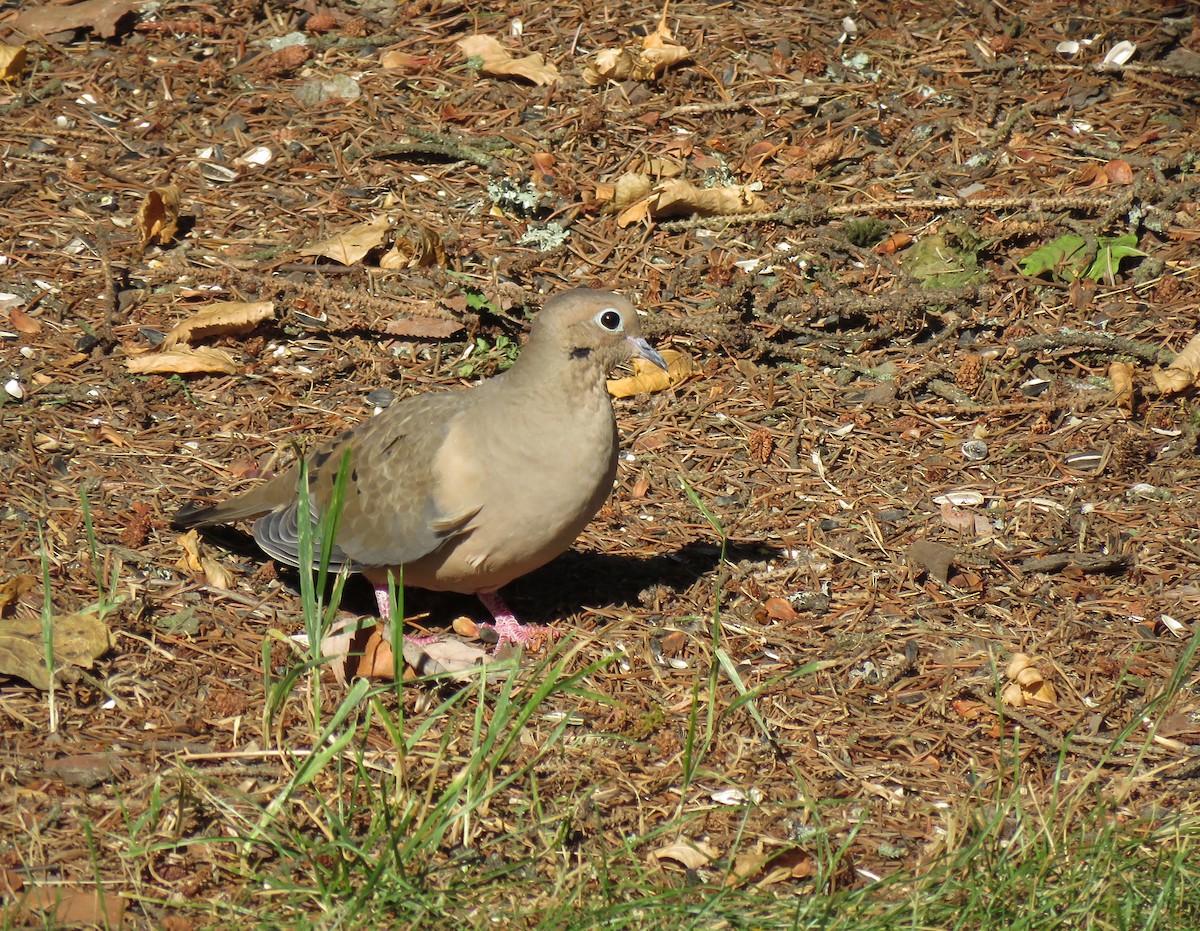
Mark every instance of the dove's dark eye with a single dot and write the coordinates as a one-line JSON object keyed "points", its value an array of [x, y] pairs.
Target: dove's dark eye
{"points": [[610, 320]]}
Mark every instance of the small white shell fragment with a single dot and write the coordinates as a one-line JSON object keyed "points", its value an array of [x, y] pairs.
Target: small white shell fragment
{"points": [[1177, 628], [517, 29], [737, 796], [259, 155], [13, 389], [1117, 56], [961, 499], [1067, 47]]}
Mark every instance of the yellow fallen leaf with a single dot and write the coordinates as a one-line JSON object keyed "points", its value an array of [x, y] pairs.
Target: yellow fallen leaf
{"points": [[499, 61], [12, 61], [219, 319], [158, 217], [1121, 376], [648, 377], [351, 244], [183, 361], [1183, 372], [190, 560]]}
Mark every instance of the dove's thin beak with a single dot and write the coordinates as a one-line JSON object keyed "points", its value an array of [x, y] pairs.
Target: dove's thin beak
{"points": [[646, 351]]}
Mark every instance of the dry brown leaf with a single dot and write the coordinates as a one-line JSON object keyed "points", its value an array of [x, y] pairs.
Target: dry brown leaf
{"points": [[12, 61], [648, 377], [934, 558], [659, 52], [13, 588], [78, 640], [216, 575], [677, 197], [421, 251], [351, 244], [183, 361], [70, 905], [158, 217], [499, 61], [100, 16], [692, 856], [422, 327], [219, 319], [1121, 376], [23, 323], [771, 867], [403, 62], [194, 562], [190, 560], [1183, 372], [1117, 171]]}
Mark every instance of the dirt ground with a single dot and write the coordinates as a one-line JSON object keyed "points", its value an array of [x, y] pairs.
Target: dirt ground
{"points": [[921, 455]]}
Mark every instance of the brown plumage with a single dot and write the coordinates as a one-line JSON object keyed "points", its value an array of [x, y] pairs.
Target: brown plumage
{"points": [[466, 490]]}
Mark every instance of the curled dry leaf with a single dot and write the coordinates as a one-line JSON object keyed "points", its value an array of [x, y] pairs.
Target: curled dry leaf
{"points": [[351, 244], [677, 197], [12, 61], [220, 319], [1027, 685], [421, 250], [659, 52], [198, 563], [79, 639], [183, 361], [13, 588], [691, 856], [158, 217], [1121, 375], [404, 62], [499, 61], [769, 868], [1183, 372], [648, 377]]}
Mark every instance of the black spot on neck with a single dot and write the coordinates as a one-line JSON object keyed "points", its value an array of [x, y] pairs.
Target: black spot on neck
{"points": [[581, 352]]}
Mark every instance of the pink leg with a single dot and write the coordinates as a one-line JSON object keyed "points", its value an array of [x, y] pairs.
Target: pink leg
{"points": [[505, 623], [384, 602], [382, 599]]}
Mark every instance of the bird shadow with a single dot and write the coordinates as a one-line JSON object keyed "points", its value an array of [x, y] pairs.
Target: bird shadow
{"points": [[566, 585]]}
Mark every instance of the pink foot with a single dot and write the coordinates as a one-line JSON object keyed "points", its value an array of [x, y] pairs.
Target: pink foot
{"points": [[506, 625], [383, 601]]}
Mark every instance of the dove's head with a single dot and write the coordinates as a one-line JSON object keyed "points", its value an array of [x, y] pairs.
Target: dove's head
{"points": [[597, 329]]}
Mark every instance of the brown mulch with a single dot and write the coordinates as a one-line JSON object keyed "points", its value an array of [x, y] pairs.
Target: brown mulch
{"points": [[835, 406]]}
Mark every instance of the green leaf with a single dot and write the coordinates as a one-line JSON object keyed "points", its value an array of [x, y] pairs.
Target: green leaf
{"points": [[1067, 258], [1054, 255], [1112, 249]]}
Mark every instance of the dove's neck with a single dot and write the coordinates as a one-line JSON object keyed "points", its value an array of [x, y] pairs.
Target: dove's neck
{"points": [[557, 374]]}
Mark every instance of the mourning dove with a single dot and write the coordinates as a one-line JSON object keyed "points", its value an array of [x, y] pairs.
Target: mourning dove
{"points": [[466, 490]]}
